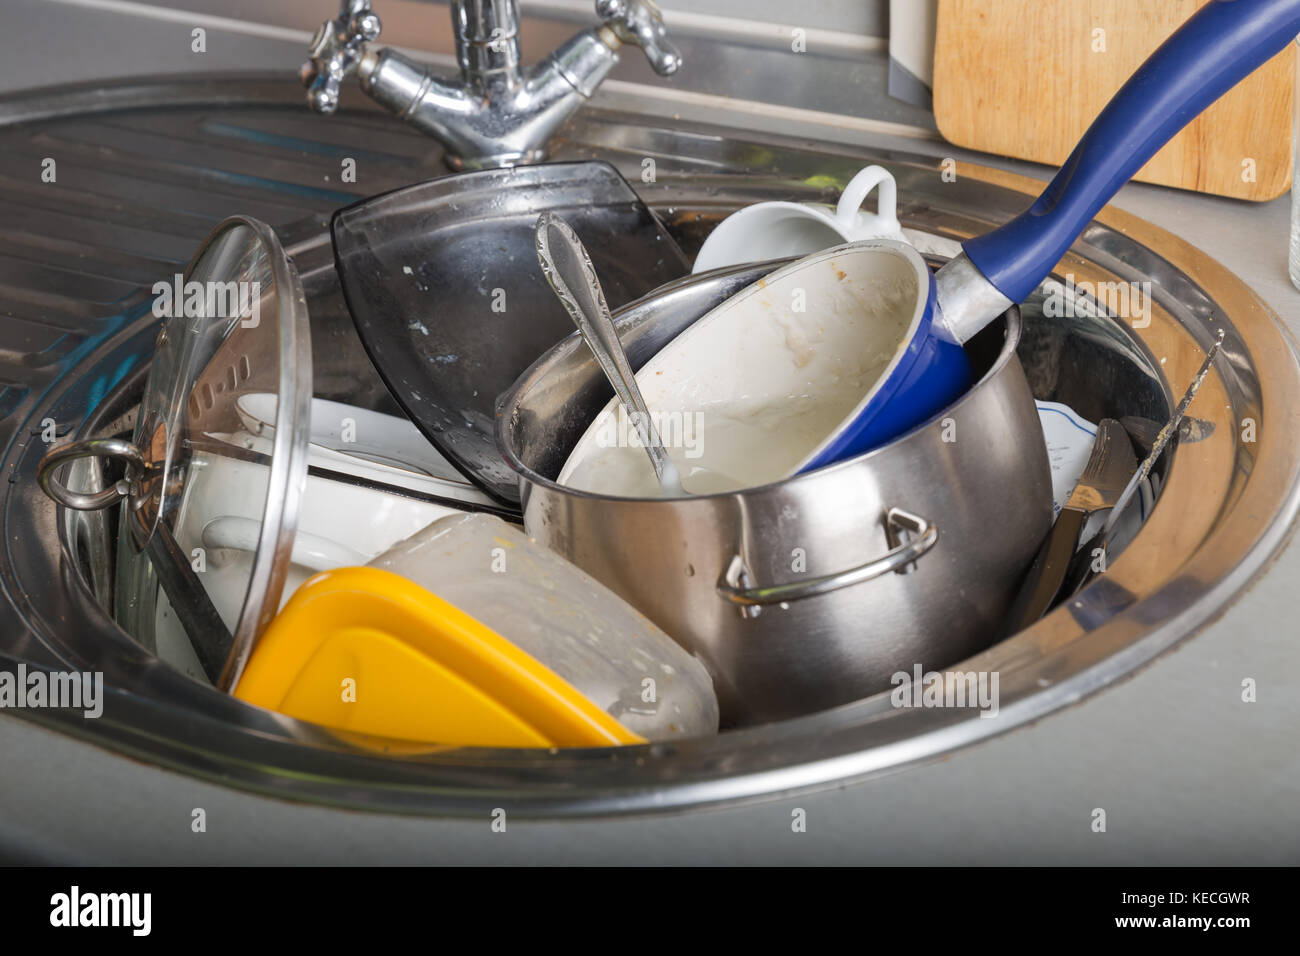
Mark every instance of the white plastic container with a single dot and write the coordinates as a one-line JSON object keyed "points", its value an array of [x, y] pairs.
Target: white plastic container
{"points": [[564, 618]]}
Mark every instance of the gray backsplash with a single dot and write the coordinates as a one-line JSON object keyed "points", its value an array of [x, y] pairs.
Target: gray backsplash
{"points": [[739, 50]]}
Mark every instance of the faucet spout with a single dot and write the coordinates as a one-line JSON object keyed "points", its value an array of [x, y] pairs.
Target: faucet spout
{"points": [[486, 33]]}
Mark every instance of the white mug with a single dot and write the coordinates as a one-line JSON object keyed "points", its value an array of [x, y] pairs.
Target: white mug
{"points": [[774, 230]]}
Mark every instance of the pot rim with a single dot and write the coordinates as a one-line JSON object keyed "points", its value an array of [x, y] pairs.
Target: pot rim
{"points": [[509, 402]]}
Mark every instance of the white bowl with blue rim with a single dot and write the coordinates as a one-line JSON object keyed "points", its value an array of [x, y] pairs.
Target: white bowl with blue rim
{"points": [[822, 360]]}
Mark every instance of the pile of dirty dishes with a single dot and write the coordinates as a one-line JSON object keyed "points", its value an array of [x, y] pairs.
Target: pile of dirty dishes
{"points": [[853, 484]]}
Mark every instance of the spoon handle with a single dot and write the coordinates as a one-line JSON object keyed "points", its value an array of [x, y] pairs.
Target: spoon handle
{"points": [[570, 272]]}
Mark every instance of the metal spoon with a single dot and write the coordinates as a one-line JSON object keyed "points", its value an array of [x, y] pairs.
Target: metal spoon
{"points": [[569, 270]]}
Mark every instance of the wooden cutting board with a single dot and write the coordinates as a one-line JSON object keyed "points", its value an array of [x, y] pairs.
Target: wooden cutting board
{"points": [[1025, 78]]}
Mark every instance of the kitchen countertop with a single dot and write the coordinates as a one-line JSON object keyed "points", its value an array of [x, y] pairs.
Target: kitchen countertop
{"points": [[1186, 771]]}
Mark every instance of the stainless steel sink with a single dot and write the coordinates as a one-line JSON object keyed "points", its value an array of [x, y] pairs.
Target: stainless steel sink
{"points": [[147, 168]]}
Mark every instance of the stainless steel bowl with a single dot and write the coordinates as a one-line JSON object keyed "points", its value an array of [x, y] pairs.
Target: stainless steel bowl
{"points": [[817, 590]]}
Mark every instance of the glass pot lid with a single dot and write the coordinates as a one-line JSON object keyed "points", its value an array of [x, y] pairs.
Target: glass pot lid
{"points": [[211, 492]]}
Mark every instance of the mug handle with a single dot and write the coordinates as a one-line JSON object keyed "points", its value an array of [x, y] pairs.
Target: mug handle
{"points": [[856, 192]]}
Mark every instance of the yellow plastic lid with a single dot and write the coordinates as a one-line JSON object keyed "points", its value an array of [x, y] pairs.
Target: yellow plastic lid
{"points": [[368, 651]]}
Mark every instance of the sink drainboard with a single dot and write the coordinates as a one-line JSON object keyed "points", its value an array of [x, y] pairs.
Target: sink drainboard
{"points": [[172, 158]]}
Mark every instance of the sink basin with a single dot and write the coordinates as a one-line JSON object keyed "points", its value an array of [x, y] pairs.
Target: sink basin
{"points": [[172, 158]]}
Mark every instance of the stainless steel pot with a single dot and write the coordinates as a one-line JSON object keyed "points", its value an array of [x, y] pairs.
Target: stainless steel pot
{"points": [[816, 590]]}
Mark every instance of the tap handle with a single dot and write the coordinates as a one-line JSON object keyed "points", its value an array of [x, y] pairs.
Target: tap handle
{"points": [[335, 51], [640, 23]]}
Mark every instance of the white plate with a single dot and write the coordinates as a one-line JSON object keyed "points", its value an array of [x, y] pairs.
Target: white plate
{"points": [[383, 441]]}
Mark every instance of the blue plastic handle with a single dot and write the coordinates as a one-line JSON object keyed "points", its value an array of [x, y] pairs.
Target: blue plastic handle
{"points": [[1222, 44]]}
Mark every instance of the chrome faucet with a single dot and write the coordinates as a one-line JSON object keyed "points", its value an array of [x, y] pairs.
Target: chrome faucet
{"points": [[495, 114]]}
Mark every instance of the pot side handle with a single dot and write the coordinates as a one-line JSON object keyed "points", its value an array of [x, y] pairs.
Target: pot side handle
{"points": [[900, 558]]}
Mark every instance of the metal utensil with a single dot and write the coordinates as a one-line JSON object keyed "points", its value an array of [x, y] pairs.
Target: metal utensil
{"points": [[571, 274], [1081, 567], [1109, 468], [1166, 433]]}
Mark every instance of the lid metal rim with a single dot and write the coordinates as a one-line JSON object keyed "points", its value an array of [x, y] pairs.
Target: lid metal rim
{"points": [[288, 472]]}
